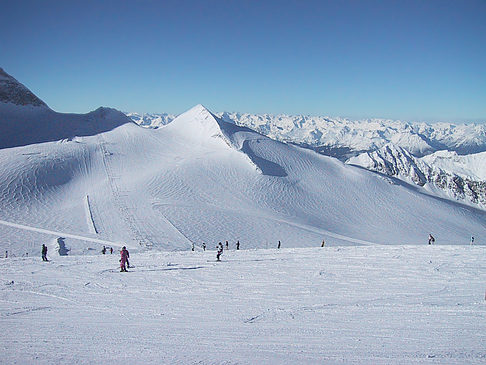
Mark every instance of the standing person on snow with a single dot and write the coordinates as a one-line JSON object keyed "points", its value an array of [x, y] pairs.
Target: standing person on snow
{"points": [[227, 245], [431, 239], [278, 244], [44, 253], [103, 251], [204, 246], [237, 245], [220, 252], [124, 259], [472, 240]]}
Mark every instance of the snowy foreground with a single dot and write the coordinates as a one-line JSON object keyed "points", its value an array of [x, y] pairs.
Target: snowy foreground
{"points": [[360, 304]]}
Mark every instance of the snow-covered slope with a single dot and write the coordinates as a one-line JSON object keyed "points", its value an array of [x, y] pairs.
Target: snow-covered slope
{"points": [[200, 179], [25, 119], [444, 173], [344, 138], [151, 120], [334, 305]]}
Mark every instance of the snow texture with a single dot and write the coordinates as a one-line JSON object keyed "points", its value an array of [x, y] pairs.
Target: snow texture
{"points": [[347, 305], [376, 294]]}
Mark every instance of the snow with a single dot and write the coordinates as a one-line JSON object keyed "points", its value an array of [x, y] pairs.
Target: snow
{"points": [[375, 294], [472, 166], [354, 305], [200, 179]]}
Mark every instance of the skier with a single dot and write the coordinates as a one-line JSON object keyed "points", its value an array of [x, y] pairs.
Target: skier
{"points": [[237, 245], [220, 252], [103, 250], [472, 240], [323, 243], [192, 248], [44, 253], [278, 244], [431, 239], [111, 250], [6, 254], [204, 246], [227, 246], [124, 259]]}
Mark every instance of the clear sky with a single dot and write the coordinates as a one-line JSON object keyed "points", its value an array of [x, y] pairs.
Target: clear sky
{"points": [[415, 60]]}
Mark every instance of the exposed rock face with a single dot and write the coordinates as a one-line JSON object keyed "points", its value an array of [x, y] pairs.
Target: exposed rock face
{"points": [[12, 91], [395, 161]]}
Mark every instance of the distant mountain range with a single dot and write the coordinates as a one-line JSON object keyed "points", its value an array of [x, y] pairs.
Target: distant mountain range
{"points": [[445, 158]]}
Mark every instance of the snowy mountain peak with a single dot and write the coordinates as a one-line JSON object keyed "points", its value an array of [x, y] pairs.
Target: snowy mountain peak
{"points": [[12, 91], [197, 122]]}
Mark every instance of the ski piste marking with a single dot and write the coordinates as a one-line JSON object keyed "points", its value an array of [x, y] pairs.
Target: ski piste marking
{"points": [[63, 234]]}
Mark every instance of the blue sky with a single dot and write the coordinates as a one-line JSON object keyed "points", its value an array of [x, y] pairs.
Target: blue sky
{"points": [[415, 60]]}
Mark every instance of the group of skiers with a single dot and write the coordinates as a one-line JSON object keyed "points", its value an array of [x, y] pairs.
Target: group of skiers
{"points": [[125, 255], [103, 250]]}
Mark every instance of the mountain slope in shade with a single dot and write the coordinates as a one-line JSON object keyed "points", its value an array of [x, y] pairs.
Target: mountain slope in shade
{"points": [[25, 119], [12, 91]]}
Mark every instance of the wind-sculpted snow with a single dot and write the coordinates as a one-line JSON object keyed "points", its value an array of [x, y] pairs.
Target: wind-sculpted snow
{"points": [[365, 143], [200, 179]]}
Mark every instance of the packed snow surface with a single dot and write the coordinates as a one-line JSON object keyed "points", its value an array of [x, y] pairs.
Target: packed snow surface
{"points": [[333, 305]]}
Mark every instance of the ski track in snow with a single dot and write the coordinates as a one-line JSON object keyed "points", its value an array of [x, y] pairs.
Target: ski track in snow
{"points": [[353, 305], [59, 234]]}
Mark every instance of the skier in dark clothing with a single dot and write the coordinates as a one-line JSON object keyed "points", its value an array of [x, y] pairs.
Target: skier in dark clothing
{"points": [[111, 250], [103, 250], [204, 246], [220, 252], [278, 244], [431, 239], [237, 245], [44, 253], [227, 245]]}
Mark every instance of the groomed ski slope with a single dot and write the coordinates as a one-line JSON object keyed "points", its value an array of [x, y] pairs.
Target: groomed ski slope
{"points": [[200, 179], [334, 305]]}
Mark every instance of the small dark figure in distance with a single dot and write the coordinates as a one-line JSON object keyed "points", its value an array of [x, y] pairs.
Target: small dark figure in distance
{"points": [[103, 250], [6, 254], [472, 241], [323, 243], [124, 259], [44, 253], [431, 239], [220, 252], [192, 248], [278, 244], [237, 245], [111, 250], [204, 246], [227, 245]]}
